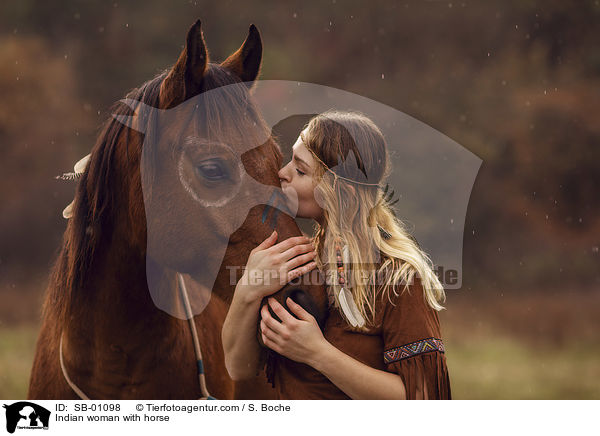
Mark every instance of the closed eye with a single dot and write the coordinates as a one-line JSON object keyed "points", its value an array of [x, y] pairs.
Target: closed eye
{"points": [[300, 172]]}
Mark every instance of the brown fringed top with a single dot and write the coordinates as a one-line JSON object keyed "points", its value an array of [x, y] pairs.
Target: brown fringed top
{"points": [[406, 341]]}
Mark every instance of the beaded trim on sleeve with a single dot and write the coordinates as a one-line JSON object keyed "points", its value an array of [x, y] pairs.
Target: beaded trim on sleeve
{"points": [[413, 349]]}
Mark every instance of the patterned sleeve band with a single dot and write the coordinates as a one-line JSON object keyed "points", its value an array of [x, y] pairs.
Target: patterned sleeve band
{"points": [[414, 348]]}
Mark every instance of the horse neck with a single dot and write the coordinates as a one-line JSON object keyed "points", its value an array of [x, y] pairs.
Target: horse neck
{"points": [[114, 320]]}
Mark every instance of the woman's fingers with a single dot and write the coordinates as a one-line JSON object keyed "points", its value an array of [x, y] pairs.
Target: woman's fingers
{"points": [[299, 310], [296, 251], [300, 260], [269, 337], [280, 311], [267, 242], [289, 243], [271, 344], [300, 271], [269, 332], [270, 322]]}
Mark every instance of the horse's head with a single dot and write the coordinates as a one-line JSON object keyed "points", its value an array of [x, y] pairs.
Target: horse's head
{"points": [[207, 170]]}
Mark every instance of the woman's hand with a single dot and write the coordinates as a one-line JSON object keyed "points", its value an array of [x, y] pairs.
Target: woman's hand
{"points": [[298, 339], [270, 267]]}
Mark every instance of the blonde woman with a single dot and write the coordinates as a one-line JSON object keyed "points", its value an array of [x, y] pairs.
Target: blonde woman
{"points": [[382, 337]]}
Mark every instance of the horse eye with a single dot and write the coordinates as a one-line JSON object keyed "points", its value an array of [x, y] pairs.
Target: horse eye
{"points": [[211, 170]]}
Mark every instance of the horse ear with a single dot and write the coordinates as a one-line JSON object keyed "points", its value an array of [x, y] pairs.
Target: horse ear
{"points": [[245, 62], [185, 78]]}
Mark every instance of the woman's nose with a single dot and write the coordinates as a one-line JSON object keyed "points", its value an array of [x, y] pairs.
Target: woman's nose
{"points": [[282, 174]]}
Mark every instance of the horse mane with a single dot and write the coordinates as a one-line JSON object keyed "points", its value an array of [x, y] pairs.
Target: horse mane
{"points": [[93, 208]]}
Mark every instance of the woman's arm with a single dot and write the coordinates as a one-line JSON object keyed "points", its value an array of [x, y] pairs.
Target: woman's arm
{"points": [[302, 340], [268, 269], [354, 378], [240, 344]]}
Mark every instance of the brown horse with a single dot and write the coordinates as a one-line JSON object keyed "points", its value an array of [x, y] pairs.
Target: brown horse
{"points": [[149, 206]]}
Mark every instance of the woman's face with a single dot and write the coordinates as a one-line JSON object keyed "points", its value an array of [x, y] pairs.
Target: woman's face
{"points": [[298, 183]]}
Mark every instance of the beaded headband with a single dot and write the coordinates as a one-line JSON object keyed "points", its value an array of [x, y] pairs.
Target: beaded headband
{"points": [[336, 176], [384, 233]]}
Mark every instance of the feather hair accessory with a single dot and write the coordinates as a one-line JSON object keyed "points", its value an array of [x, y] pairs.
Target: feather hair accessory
{"points": [[344, 297], [78, 169]]}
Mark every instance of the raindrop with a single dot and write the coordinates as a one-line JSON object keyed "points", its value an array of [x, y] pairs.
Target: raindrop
{"points": [[451, 220], [382, 76], [295, 15]]}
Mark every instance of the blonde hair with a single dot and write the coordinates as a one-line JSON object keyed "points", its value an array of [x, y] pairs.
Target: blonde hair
{"points": [[353, 161]]}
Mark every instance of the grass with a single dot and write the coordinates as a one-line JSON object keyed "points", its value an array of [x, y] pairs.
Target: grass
{"points": [[523, 345], [504, 368], [17, 347]]}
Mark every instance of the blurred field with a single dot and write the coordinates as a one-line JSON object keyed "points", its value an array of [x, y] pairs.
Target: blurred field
{"points": [[17, 345], [540, 345], [505, 368], [514, 347]]}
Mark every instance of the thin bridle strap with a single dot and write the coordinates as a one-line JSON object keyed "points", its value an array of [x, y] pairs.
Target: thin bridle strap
{"points": [[197, 350], [73, 386]]}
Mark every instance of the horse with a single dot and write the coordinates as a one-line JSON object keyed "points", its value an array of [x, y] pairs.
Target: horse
{"points": [[140, 220]]}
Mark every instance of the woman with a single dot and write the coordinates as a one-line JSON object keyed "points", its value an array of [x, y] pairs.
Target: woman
{"points": [[382, 338]]}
